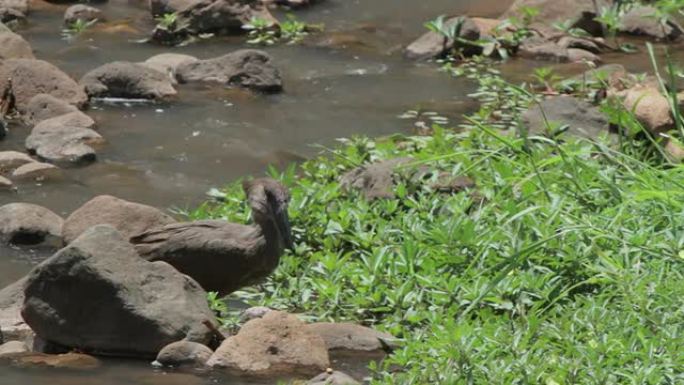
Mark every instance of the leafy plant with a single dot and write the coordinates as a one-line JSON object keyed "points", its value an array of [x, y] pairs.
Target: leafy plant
{"points": [[168, 20], [77, 27], [261, 32]]}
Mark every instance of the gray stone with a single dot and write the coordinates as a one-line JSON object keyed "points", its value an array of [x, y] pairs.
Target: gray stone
{"points": [[64, 139], [44, 106], [350, 338], [37, 171], [247, 68], [580, 13], [12, 325], [10, 160], [641, 21], [432, 44], [219, 16], [29, 224], [538, 48], [583, 119], [82, 12], [184, 353], [167, 63], [12, 348], [127, 80], [254, 313], [127, 217], [98, 295], [6, 184], [13, 46]]}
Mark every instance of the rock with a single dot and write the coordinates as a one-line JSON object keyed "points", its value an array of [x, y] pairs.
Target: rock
{"points": [[254, 313], [376, 180], [640, 20], [12, 325], [486, 27], [71, 361], [6, 184], [579, 43], [10, 160], [64, 139], [13, 46], [127, 80], [127, 217], [675, 150], [44, 106], [538, 48], [184, 353], [432, 44], [583, 119], [577, 55], [332, 378], [277, 345], [580, 13], [9, 15], [247, 68], [82, 12], [350, 338], [167, 63], [28, 224], [17, 7], [98, 295], [12, 348], [650, 107], [222, 16], [32, 77], [37, 171]]}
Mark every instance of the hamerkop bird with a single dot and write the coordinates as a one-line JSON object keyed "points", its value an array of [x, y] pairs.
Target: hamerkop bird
{"points": [[223, 256]]}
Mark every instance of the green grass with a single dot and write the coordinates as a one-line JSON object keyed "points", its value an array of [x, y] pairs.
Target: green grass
{"points": [[565, 266]]}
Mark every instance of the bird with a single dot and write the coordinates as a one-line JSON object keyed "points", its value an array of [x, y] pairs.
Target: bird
{"points": [[222, 256]]}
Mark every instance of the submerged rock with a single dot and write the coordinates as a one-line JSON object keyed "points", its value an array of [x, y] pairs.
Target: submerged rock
{"points": [[71, 361], [184, 353], [432, 44], [37, 171], [277, 345], [127, 80], [32, 77], [11, 160], [247, 68], [333, 378], [98, 295], [29, 224], [64, 139], [642, 21], [127, 217], [83, 13], [45, 106], [350, 338], [582, 118]]}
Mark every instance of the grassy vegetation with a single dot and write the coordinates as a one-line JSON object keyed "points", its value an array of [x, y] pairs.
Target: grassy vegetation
{"points": [[563, 266]]}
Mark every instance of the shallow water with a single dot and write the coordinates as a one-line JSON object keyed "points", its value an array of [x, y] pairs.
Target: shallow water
{"points": [[169, 155]]}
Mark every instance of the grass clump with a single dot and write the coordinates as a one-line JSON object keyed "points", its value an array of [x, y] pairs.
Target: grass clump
{"points": [[563, 266]]}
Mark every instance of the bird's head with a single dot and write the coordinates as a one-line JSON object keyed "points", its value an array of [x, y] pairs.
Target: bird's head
{"points": [[269, 200]]}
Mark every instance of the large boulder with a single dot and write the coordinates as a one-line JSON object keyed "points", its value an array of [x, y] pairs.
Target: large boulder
{"points": [[127, 217], [13, 46], [277, 345], [98, 295], [580, 13], [82, 12], [29, 224], [642, 21], [45, 106], [349, 338], [64, 139], [432, 44], [127, 80], [582, 118], [32, 77], [247, 68]]}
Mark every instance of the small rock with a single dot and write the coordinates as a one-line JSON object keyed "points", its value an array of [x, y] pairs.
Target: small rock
{"points": [[641, 20], [277, 345], [675, 150], [432, 44], [10, 160], [583, 119], [71, 361], [12, 326], [168, 63], [375, 180], [13, 46], [538, 48], [350, 338], [82, 12], [13, 348], [44, 106], [577, 55], [247, 68], [64, 139], [28, 224], [98, 295], [333, 378], [9, 15], [254, 313], [127, 80], [651, 108], [6, 184], [184, 353], [37, 171], [127, 217], [580, 43]]}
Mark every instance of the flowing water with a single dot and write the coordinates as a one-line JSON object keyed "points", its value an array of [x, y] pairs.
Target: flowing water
{"points": [[352, 80]]}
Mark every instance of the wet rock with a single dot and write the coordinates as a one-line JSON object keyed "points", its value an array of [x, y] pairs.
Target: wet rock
{"points": [[13, 46], [579, 43], [6, 184], [432, 44], [538, 48], [350, 338], [10, 160], [577, 55], [32, 77], [333, 378], [580, 13], [376, 180], [44, 106], [28, 224], [64, 139], [583, 119], [168, 63], [15, 6], [222, 16], [37, 171], [247, 68], [127, 217], [148, 304], [641, 20], [487, 27], [12, 348], [127, 80], [254, 313], [82, 12], [184, 353], [650, 107], [71, 361], [9, 15], [277, 345], [12, 325]]}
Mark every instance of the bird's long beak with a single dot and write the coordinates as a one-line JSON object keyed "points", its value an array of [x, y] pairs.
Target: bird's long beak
{"points": [[283, 223]]}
